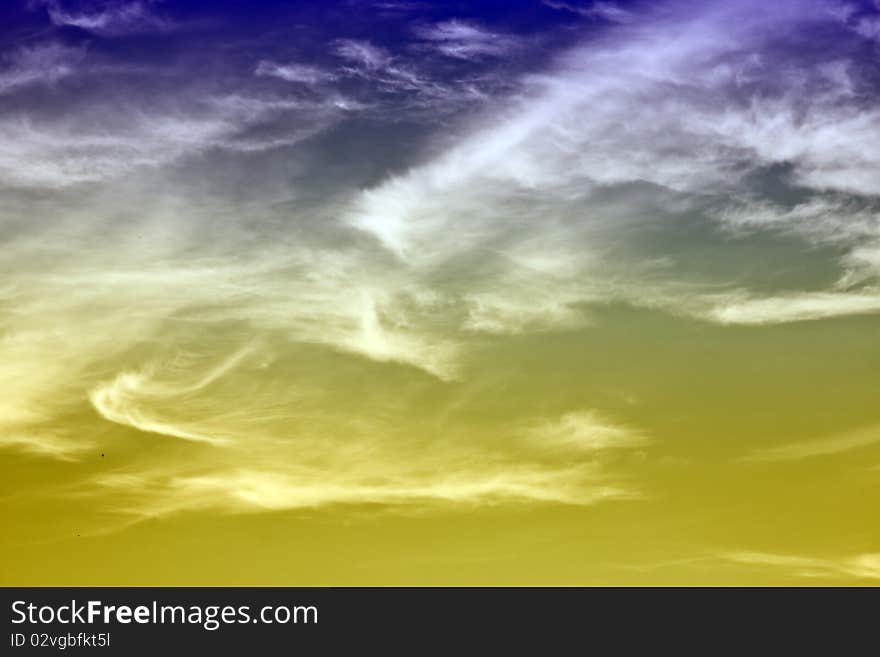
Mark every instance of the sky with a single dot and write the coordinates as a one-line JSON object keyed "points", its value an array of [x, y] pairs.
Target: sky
{"points": [[404, 292]]}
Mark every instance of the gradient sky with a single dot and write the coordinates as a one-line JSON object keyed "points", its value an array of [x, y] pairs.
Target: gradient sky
{"points": [[403, 292]]}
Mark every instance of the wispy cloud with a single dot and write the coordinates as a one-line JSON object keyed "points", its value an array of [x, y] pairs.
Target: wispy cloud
{"points": [[302, 73], [127, 399], [114, 18], [863, 566], [248, 475], [40, 64], [466, 40], [44, 443], [799, 307], [826, 446], [363, 54], [584, 431], [389, 83], [603, 10], [73, 149], [370, 62], [232, 491]]}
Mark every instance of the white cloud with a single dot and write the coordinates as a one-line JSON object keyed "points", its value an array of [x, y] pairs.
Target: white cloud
{"points": [[363, 54], [584, 431], [385, 341], [465, 40], [271, 491], [302, 73], [869, 27], [382, 471], [61, 154], [797, 307], [42, 64], [821, 218], [604, 10], [75, 148], [115, 19], [825, 446], [832, 144], [863, 566], [373, 63], [517, 311], [127, 399], [45, 444]]}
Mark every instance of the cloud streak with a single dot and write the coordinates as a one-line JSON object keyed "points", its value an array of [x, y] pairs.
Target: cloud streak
{"points": [[463, 40], [40, 64], [863, 566], [114, 19], [826, 446]]}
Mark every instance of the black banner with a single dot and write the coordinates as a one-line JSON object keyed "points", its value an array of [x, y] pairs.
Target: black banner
{"points": [[129, 621]]}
